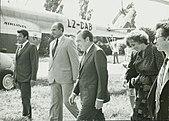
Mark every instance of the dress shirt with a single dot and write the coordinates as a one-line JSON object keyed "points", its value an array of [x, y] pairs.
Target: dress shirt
{"points": [[87, 50], [55, 44], [59, 39], [23, 45], [161, 81]]}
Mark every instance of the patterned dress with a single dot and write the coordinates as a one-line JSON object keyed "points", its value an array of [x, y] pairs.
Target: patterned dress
{"points": [[148, 66]]}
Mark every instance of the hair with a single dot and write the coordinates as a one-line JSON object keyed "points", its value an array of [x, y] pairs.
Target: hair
{"points": [[164, 25], [128, 43], [150, 32], [24, 33], [138, 36], [60, 26], [85, 34]]}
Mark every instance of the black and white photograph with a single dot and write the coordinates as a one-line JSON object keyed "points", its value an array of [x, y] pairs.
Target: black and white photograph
{"points": [[84, 60]]}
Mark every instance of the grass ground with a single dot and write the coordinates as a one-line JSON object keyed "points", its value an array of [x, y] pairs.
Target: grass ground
{"points": [[118, 108]]}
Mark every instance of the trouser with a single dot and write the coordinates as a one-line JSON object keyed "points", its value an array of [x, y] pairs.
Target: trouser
{"points": [[90, 113], [116, 57], [60, 94], [25, 89]]}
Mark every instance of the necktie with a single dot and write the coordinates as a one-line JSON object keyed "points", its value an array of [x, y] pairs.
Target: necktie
{"points": [[83, 58], [53, 50], [19, 49], [160, 82]]}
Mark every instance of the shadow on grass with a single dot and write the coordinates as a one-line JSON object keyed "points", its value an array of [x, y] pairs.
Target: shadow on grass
{"points": [[41, 82], [12, 119], [118, 92], [114, 115], [115, 86]]}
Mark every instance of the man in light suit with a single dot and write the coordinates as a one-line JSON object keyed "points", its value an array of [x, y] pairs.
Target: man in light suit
{"points": [[158, 98], [92, 81], [63, 72], [25, 72]]}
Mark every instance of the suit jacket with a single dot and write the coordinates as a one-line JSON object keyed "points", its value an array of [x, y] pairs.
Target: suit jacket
{"points": [[164, 101], [63, 67], [93, 77], [26, 63]]}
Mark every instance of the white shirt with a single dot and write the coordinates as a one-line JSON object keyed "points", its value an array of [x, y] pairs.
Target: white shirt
{"points": [[89, 48], [23, 44], [166, 75], [59, 39], [161, 81], [115, 49]]}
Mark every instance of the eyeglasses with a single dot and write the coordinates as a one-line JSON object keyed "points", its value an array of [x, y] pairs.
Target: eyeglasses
{"points": [[156, 38]]}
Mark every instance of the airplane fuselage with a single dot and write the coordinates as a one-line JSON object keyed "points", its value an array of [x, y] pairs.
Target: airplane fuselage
{"points": [[13, 19]]}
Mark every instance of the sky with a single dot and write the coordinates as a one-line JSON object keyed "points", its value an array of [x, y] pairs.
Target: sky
{"points": [[148, 12]]}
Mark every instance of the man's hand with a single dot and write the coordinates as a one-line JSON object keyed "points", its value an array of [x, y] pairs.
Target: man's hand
{"points": [[133, 81], [98, 104], [72, 99], [32, 80], [125, 84]]}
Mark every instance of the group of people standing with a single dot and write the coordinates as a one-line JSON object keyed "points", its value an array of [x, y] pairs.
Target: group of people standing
{"points": [[69, 77], [90, 73], [148, 73]]}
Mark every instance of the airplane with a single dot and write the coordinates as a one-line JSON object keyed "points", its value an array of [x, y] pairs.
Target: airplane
{"points": [[39, 23], [165, 2]]}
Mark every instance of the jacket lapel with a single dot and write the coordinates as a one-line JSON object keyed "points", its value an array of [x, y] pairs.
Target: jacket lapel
{"points": [[16, 55], [59, 46], [57, 49], [23, 49], [166, 77], [87, 56]]}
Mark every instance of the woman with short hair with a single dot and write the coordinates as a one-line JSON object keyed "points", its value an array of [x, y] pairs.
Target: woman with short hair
{"points": [[147, 64]]}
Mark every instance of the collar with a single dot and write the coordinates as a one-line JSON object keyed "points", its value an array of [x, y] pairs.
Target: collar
{"points": [[23, 45], [166, 60], [89, 48], [60, 38], [167, 57], [146, 51]]}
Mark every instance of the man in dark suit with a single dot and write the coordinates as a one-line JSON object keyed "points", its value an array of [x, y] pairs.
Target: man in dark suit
{"points": [[93, 79], [158, 98], [26, 66]]}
